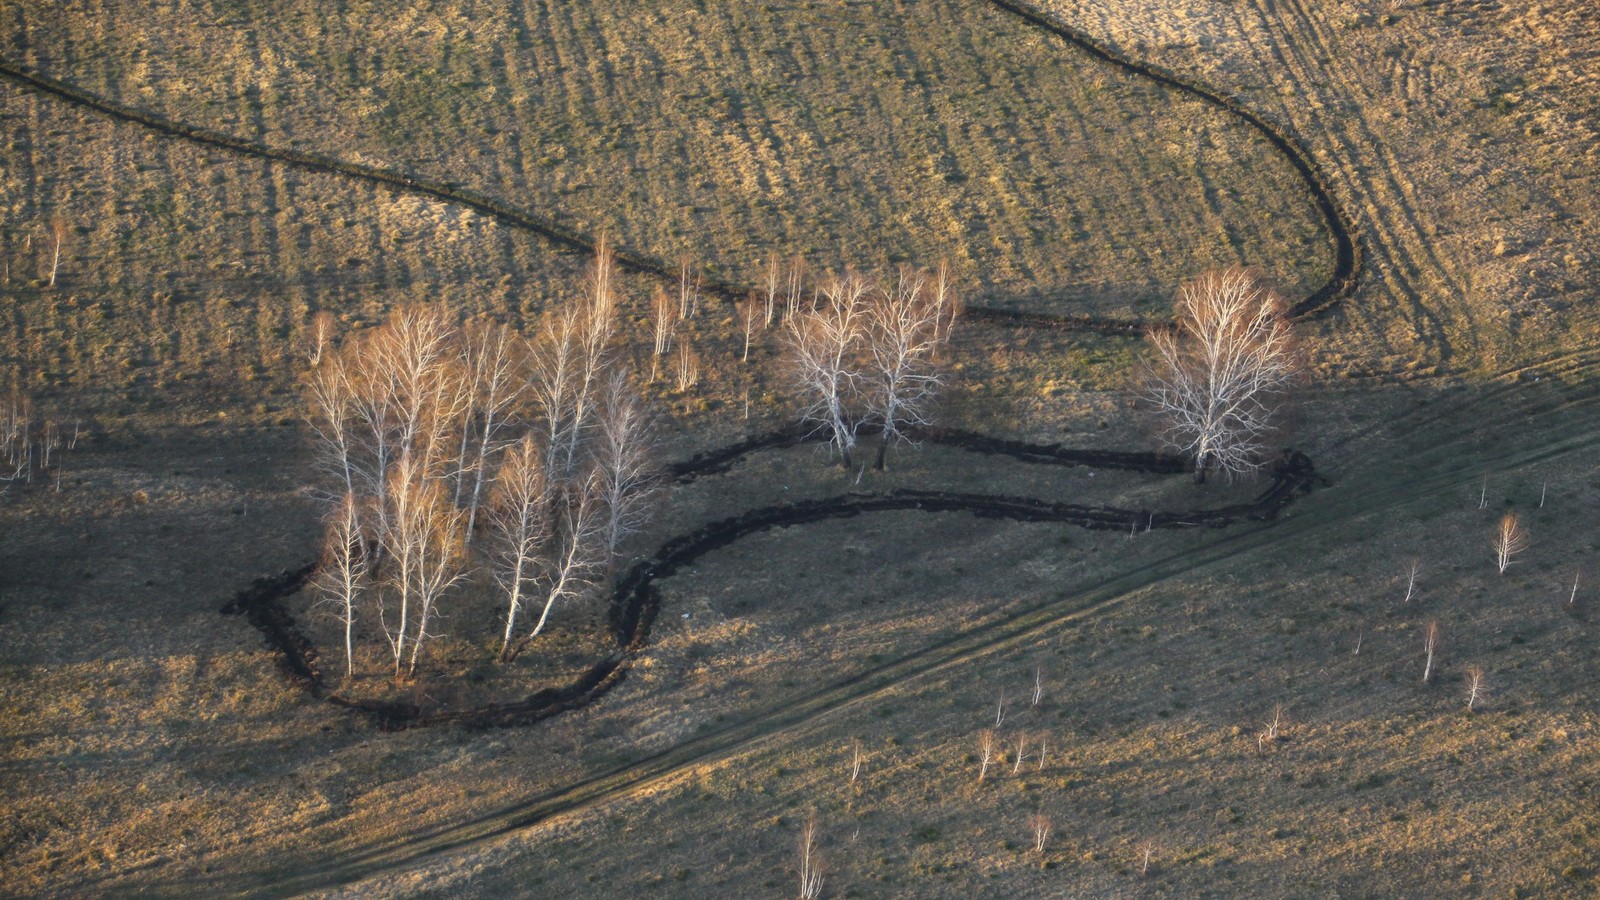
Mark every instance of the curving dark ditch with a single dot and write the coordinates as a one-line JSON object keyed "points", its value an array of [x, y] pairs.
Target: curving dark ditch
{"points": [[1347, 255], [1342, 229], [635, 600]]}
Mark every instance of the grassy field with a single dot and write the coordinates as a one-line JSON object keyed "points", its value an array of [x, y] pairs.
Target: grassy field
{"points": [[151, 744], [727, 131]]}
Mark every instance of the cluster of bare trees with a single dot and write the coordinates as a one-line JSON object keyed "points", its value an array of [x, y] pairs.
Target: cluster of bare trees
{"points": [[864, 351], [33, 445], [1216, 375], [433, 432]]}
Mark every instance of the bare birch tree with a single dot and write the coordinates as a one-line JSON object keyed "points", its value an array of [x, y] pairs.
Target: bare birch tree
{"points": [[905, 330], [1475, 686], [663, 320], [771, 287], [749, 317], [1430, 646], [1218, 373], [1041, 826], [520, 512], [343, 574], [58, 231], [577, 554], [988, 749], [1509, 540], [688, 290], [824, 342], [319, 335], [685, 366], [946, 302], [554, 382], [598, 325], [622, 453], [495, 365], [794, 286], [812, 872], [411, 359], [424, 540]]}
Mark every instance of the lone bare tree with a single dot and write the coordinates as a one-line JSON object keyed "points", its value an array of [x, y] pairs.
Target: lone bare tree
{"points": [[1430, 646], [1509, 540], [749, 317], [1475, 686], [1217, 373], [58, 231], [1041, 826], [812, 873]]}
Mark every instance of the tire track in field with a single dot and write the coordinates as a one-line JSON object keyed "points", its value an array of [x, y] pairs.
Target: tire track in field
{"points": [[1354, 135]]}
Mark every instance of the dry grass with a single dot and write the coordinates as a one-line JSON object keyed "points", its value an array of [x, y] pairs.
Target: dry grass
{"points": [[151, 744]]}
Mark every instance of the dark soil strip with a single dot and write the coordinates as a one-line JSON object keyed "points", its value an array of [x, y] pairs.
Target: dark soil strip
{"points": [[262, 604], [1346, 249], [716, 462], [635, 601]]}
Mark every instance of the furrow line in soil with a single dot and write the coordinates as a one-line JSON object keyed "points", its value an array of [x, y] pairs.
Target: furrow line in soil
{"points": [[1285, 54]]}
